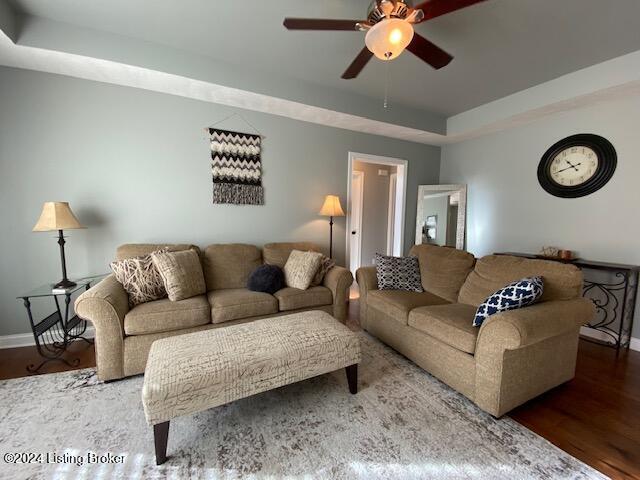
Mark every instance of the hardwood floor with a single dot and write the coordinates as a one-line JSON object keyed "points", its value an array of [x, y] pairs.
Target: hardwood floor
{"points": [[595, 417]]}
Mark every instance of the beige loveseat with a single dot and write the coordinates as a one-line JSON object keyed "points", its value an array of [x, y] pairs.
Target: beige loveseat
{"points": [[513, 357], [123, 337]]}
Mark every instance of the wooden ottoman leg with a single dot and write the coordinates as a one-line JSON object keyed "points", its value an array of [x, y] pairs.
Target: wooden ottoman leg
{"points": [[352, 378], [160, 437]]}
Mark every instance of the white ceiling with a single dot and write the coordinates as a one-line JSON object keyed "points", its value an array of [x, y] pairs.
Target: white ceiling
{"points": [[501, 46]]}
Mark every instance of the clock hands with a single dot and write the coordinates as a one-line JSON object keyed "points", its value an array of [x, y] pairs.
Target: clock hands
{"points": [[572, 166]]}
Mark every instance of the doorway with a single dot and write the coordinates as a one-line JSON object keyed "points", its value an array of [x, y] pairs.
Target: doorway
{"points": [[376, 195]]}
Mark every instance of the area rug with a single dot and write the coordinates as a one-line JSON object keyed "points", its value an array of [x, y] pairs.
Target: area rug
{"points": [[402, 424]]}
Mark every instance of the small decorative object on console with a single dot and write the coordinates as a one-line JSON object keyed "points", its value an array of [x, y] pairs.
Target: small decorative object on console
{"points": [[521, 293], [398, 273]]}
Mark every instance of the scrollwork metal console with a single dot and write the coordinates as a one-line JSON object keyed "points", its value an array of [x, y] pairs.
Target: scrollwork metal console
{"points": [[615, 298]]}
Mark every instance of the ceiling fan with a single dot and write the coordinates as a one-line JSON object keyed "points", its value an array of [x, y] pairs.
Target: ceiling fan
{"points": [[389, 27]]}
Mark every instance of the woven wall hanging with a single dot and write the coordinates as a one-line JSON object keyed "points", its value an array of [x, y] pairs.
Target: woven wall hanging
{"points": [[236, 167]]}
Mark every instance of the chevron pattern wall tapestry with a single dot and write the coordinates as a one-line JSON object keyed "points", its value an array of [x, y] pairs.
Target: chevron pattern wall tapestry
{"points": [[236, 167]]}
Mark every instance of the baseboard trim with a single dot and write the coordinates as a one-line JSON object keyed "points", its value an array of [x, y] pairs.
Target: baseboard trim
{"points": [[26, 339], [595, 334]]}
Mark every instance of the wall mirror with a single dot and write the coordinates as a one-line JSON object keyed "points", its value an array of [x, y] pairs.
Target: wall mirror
{"points": [[442, 212]]}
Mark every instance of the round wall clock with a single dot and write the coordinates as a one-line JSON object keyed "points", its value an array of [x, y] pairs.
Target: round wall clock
{"points": [[577, 166]]}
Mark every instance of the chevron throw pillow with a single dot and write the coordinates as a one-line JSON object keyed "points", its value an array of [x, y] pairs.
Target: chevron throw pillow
{"points": [[398, 273], [518, 294]]}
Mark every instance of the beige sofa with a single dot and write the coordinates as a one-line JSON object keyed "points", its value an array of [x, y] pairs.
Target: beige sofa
{"points": [[123, 337], [513, 357]]}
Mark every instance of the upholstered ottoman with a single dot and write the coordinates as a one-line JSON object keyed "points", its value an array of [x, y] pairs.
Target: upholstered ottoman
{"points": [[193, 372]]}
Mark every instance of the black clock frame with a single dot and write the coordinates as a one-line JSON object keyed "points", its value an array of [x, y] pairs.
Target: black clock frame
{"points": [[607, 162]]}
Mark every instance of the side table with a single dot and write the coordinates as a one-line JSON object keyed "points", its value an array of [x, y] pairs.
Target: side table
{"points": [[55, 332]]}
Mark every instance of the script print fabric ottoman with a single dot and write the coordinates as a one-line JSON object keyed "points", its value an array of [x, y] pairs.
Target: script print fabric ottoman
{"points": [[190, 373]]}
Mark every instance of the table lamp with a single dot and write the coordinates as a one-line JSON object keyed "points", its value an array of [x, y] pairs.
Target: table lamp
{"points": [[331, 208], [58, 216]]}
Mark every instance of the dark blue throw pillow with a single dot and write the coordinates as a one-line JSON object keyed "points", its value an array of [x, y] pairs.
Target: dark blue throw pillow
{"points": [[267, 279], [518, 294]]}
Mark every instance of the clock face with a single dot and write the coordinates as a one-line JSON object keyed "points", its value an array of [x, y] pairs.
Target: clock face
{"points": [[574, 166], [577, 166]]}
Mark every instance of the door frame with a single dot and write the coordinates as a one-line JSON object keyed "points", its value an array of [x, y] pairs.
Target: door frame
{"points": [[391, 213], [402, 181], [355, 173]]}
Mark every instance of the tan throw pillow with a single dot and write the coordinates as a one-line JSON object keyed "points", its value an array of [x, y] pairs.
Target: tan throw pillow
{"points": [[300, 268], [181, 273], [326, 264], [140, 279]]}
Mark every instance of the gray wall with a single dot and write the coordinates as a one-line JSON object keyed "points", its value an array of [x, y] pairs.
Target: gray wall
{"points": [[375, 210], [134, 166], [508, 210]]}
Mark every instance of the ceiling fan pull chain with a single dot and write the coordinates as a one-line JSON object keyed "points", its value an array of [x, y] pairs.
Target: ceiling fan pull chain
{"points": [[386, 83]]}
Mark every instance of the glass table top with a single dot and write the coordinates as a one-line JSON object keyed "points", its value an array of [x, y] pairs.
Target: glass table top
{"points": [[46, 290]]}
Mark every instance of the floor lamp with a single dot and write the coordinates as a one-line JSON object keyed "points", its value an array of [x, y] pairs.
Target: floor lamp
{"points": [[58, 216], [331, 208]]}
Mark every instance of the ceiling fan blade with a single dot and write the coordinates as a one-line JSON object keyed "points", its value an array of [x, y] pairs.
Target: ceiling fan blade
{"points": [[435, 8], [358, 64], [320, 24], [430, 53]]}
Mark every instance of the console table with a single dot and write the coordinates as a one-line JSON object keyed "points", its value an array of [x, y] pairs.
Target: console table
{"points": [[615, 300], [53, 333]]}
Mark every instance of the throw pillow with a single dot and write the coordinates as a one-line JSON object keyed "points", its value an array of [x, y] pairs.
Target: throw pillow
{"points": [[300, 268], [521, 293], [326, 264], [398, 273], [181, 273], [140, 279], [266, 278]]}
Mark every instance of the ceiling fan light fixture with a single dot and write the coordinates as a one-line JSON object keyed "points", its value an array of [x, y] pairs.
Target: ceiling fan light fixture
{"points": [[388, 38]]}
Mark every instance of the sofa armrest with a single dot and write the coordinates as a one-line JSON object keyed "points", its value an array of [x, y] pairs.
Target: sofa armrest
{"points": [[339, 280], [522, 353], [367, 280], [525, 326], [105, 306]]}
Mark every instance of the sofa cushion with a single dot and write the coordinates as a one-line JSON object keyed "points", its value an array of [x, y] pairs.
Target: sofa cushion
{"points": [[450, 324], [398, 273], [562, 281], [165, 316], [236, 303], [181, 273], [398, 303], [301, 268], [229, 265], [267, 279], [140, 278], [294, 298], [278, 253], [326, 264], [443, 270], [518, 294], [130, 250]]}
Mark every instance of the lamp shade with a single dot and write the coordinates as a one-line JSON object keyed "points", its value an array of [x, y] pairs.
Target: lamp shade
{"points": [[331, 207], [56, 216], [388, 38]]}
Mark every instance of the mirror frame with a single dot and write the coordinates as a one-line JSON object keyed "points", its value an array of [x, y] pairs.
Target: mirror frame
{"points": [[462, 211]]}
